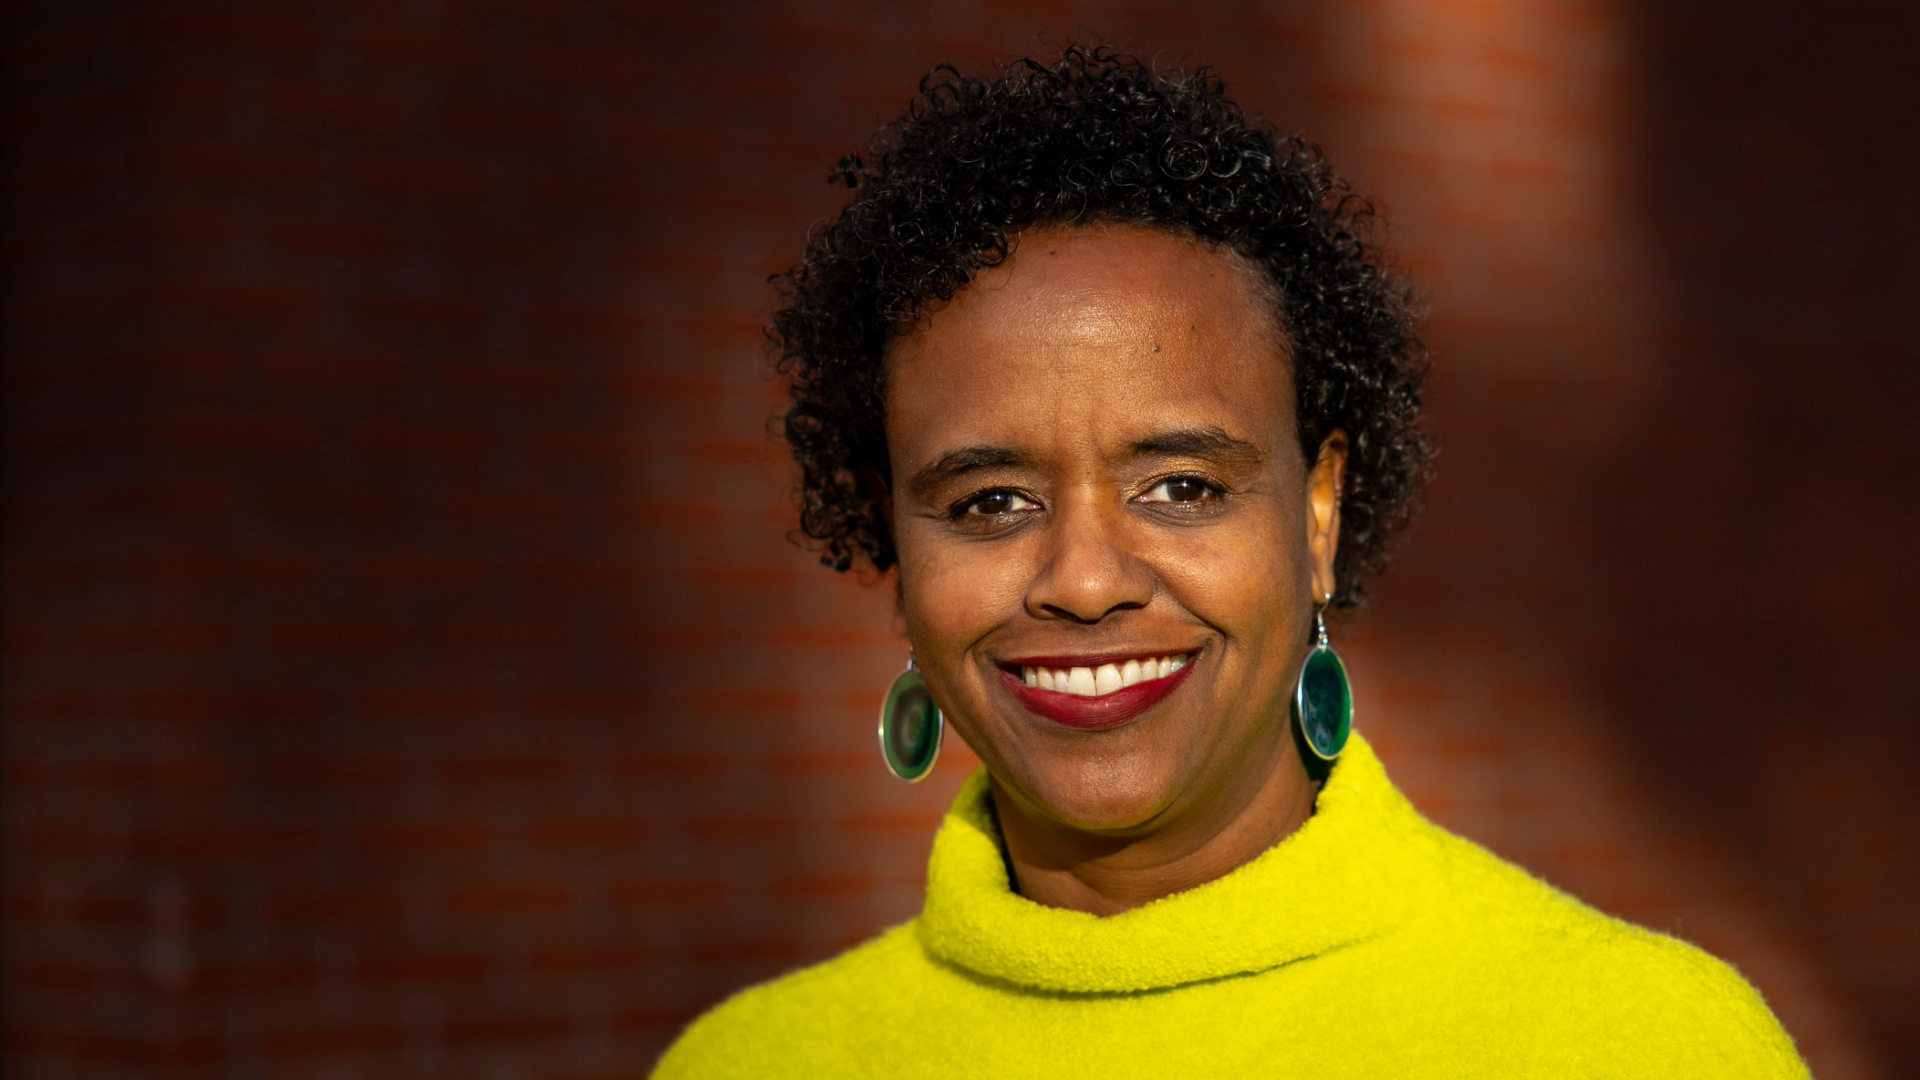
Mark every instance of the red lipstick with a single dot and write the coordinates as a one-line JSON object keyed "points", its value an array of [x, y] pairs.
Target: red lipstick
{"points": [[1094, 713]]}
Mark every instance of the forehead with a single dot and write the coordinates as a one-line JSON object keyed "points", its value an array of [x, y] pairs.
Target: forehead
{"points": [[1096, 336]]}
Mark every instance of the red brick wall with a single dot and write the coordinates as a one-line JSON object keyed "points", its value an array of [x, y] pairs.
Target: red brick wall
{"points": [[404, 669]]}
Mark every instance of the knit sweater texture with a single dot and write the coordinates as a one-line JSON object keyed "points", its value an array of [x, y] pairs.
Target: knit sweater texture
{"points": [[1370, 943]]}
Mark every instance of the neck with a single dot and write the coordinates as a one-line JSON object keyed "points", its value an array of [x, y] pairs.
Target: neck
{"points": [[1054, 864]]}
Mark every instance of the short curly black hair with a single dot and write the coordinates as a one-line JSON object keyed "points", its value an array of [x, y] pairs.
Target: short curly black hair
{"points": [[1095, 137]]}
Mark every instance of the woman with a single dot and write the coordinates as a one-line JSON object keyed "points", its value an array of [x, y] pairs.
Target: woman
{"points": [[1111, 377]]}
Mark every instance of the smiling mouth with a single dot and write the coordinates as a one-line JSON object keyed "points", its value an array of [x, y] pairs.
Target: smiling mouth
{"points": [[1096, 696], [1101, 680]]}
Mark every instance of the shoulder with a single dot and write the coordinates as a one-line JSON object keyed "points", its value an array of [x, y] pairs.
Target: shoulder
{"points": [[1604, 983], [770, 1029]]}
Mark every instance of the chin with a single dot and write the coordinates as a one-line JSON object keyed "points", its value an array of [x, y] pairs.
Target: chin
{"points": [[1100, 795]]}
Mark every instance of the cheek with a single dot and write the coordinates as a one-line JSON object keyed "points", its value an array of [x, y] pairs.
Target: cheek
{"points": [[955, 593], [1237, 577]]}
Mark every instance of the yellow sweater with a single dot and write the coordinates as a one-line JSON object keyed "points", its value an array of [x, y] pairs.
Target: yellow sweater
{"points": [[1369, 943]]}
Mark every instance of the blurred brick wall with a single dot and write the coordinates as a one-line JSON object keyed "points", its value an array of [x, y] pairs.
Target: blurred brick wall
{"points": [[405, 672]]}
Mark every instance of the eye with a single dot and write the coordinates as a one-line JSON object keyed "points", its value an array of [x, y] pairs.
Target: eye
{"points": [[1180, 489], [995, 503]]}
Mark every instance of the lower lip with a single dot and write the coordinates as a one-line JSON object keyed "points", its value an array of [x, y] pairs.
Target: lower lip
{"points": [[1095, 713]]}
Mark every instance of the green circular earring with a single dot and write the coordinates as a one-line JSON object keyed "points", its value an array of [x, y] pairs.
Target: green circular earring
{"points": [[910, 727], [1323, 699]]}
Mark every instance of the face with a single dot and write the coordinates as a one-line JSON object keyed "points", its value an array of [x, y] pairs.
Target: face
{"points": [[1110, 544]]}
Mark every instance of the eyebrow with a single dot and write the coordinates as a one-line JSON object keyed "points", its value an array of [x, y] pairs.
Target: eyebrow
{"points": [[958, 463], [1207, 442]]}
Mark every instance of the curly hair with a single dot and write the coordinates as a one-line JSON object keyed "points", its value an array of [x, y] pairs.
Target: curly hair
{"points": [[1095, 137]]}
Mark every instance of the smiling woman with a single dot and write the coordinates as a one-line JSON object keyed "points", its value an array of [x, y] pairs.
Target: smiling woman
{"points": [[1100, 466], [1111, 379]]}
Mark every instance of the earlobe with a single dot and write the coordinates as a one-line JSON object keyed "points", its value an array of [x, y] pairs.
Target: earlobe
{"points": [[1324, 486]]}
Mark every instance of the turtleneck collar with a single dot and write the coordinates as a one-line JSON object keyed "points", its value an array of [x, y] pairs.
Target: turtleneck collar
{"points": [[1345, 876]]}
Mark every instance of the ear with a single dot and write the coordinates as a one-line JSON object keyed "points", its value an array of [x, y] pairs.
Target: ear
{"points": [[1324, 484], [881, 491]]}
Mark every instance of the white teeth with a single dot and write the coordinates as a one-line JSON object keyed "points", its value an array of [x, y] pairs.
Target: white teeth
{"points": [[1096, 682]]}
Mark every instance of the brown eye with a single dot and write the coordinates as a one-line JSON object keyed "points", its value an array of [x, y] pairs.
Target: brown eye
{"points": [[1180, 489], [999, 502]]}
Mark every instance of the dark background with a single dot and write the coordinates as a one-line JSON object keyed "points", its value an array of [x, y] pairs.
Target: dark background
{"points": [[405, 672]]}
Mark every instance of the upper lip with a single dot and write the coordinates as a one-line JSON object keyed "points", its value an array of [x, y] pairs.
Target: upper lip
{"points": [[1091, 660]]}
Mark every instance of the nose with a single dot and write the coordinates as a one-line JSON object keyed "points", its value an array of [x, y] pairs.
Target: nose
{"points": [[1091, 571]]}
